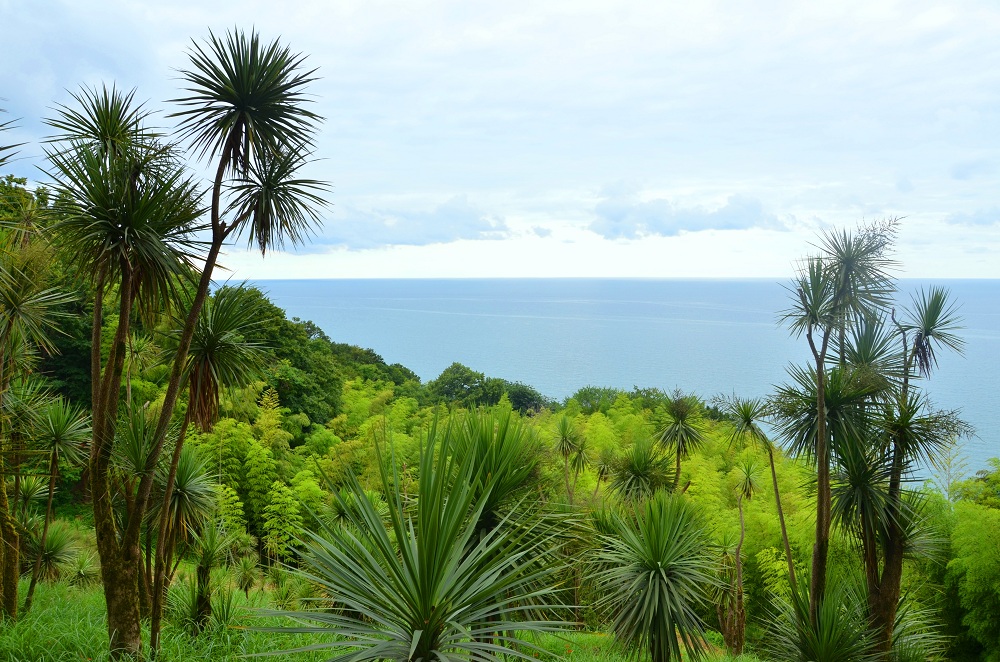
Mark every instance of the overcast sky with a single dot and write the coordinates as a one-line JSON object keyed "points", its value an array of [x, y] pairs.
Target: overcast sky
{"points": [[701, 139]]}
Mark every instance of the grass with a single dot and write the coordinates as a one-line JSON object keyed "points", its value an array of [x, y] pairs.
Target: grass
{"points": [[67, 625]]}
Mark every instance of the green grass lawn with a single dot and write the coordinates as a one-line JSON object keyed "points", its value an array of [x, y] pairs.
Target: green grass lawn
{"points": [[67, 625]]}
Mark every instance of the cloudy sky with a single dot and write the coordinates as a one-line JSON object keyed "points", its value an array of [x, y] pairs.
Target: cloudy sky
{"points": [[582, 138]]}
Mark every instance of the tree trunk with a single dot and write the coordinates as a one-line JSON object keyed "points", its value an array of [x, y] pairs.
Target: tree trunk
{"points": [[821, 549], [11, 554], [10, 542], [37, 568], [160, 583], [203, 599], [740, 616], [121, 588], [781, 519]]}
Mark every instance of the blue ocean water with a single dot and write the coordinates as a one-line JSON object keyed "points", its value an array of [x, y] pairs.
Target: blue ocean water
{"points": [[703, 336]]}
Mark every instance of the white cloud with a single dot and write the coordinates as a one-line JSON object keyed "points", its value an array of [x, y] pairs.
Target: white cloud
{"points": [[624, 214], [452, 220], [727, 115]]}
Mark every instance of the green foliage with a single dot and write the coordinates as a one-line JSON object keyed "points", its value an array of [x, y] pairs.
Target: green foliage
{"points": [[261, 473], [640, 471], [282, 522], [447, 589], [839, 634], [975, 571], [229, 510], [655, 570]]}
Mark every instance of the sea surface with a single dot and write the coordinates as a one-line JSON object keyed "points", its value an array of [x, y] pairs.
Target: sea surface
{"points": [[707, 337]]}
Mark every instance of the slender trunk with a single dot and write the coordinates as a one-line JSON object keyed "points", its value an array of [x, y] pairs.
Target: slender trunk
{"points": [[884, 597], [677, 472], [203, 597], [9, 540], [11, 554], [160, 584], [781, 519], [885, 600], [119, 559], [569, 490], [821, 549], [740, 620], [37, 568]]}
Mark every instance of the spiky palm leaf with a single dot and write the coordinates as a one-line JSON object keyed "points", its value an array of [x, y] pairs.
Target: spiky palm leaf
{"points": [[109, 120], [193, 499], [500, 445], [840, 633], [245, 98], [220, 356], [62, 429], [932, 320], [29, 311], [7, 151], [273, 204], [640, 471], [567, 437], [446, 590], [58, 552], [656, 571], [847, 416]]}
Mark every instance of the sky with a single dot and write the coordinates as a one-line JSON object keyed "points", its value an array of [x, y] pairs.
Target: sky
{"points": [[601, 139]]}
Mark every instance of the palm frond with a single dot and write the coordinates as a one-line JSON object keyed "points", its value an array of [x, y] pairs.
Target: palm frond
{"points": [[245, 98], [656, 573]]}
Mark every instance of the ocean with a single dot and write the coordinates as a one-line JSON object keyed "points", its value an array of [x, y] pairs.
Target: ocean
{"points": [[706, 337]]}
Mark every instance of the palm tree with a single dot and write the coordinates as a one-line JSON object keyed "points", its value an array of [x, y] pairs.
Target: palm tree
{"points": [[640, 472], [654, 570], [434, 584], [211, 546], [746, 415], [912, 433], [567, 443], [847, 282], [62, 431], [746, 485], [683, 430], [127, 212], [244, 109], [29, 312]]}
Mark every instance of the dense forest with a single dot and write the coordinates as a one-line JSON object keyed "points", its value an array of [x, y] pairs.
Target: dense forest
{"points": [[187, 472]]}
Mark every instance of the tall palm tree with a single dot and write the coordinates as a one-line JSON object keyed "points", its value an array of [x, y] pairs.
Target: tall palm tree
{"points": [[746, 486], [127, 212], [655, 570], [746, 415], [63, 430], [244, 110], [912, 433], [848, 281], [683, 429]]}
